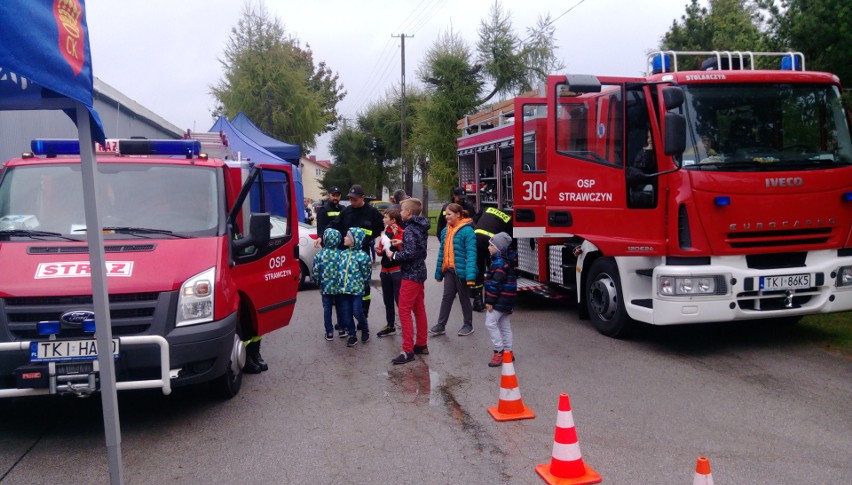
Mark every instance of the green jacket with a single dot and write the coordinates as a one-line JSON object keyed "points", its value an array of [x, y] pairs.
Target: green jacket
{"points": [[356, 265], [328, 264]]}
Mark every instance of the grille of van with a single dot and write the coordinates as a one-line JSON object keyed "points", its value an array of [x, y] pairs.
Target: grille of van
{"points": [[112, 248], [130, 313]]}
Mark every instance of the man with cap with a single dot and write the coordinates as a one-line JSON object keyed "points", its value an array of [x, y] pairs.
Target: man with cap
{"points": [[362, 215], [459, 197], [487, 223], [327, 212]]}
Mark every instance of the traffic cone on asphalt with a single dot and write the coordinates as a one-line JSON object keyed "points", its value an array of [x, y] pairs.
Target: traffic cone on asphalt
{"points": [[509, 406], [566, 465], [702, 472]]}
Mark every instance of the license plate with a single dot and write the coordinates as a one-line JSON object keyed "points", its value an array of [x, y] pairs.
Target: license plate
{"points": [[785, 282], [67, 350]]}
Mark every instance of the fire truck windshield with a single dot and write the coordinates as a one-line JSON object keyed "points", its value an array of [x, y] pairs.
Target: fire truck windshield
{"points": [[153, 199], [759, 127]]}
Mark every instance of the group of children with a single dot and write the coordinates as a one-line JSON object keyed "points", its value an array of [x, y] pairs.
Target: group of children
{"points": [[342, 274]]}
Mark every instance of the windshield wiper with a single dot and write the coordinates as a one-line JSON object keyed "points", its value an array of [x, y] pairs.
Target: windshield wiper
{"points": [[143, 230], [730, 164], [34, 234]]}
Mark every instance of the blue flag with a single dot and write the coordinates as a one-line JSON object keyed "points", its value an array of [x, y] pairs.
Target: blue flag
{"points": [[45, 57]]}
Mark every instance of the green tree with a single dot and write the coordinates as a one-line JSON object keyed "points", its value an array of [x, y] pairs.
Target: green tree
{"points": [[510, 64], [274, 82], [731, 25], [453, 86], [820, 29]]}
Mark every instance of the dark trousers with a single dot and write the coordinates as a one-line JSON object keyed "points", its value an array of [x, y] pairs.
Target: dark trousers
{"points": [[390, 293]]}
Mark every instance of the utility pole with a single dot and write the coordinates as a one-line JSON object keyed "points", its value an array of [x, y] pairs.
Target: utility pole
{"points": [[407, 174]]}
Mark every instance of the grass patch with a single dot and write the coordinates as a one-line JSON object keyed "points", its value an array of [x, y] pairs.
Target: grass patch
{"points": [[832, 331]]}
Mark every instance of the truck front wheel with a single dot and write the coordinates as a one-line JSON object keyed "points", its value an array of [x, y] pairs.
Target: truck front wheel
{"points": [[228, 384], [604, 299]]}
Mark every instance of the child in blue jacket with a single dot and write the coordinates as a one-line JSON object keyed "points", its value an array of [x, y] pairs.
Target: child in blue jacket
{"points": [[500, 291], [357, 269], [328, 271]]}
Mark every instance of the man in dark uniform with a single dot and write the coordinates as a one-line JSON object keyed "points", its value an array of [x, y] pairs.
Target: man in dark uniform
{"points": [[489, 222], [459, 197], [360, 214], [327, 212]]}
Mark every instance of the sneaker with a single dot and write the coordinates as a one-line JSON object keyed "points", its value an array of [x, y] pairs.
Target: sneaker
{"points": [[365, 335], [421, 350], [496, 359], [465, 330], [352, 341], [388, 330], [342, 333], [403, 358], [437, 330], [329, 336]]}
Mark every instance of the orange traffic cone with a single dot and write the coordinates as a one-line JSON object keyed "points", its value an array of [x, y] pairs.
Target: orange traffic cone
{"points": [[566, 465], [702, 472], [510, 406]]}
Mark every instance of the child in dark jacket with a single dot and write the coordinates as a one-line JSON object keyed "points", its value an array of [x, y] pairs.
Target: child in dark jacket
{"points": [[390, 276], [500, 292], [412, 259]]}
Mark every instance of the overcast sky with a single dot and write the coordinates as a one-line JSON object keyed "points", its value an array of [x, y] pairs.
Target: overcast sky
{"points": [[164, 53]]}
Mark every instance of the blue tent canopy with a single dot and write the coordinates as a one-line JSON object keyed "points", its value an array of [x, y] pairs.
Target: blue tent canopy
{"points": [[283, 150], [249, 149]]}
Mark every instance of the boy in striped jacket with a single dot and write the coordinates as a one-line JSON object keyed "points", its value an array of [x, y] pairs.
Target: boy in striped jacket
{"points": [[500, 292]]}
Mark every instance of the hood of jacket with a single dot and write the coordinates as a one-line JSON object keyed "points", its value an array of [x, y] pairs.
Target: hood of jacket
{"points": [[331, 238], [358, 236], [418, 223]]}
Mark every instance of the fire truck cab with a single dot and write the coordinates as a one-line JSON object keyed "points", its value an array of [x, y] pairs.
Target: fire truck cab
{"points": [[682, 197], [201, 254]]}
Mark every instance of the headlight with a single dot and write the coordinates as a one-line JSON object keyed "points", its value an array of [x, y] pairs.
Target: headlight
{"points": [[844, 276], [195, 303], [692, 285]]}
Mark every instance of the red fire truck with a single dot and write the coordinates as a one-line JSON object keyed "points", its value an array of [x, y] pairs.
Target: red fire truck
{"points": [[201, 254], [694, 196]]}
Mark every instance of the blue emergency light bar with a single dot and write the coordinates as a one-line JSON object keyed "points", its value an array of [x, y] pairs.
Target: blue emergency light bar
{"points": [[847, 197], [187, 148], [51, 148], [89, 325]]}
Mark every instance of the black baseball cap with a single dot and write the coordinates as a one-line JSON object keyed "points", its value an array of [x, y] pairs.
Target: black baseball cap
{"points": [[355, 191], [334, 190], [459, 191]]}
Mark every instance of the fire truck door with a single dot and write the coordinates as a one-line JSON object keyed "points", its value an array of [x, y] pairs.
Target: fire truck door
{"points": [[589, 193], [268, 275]]}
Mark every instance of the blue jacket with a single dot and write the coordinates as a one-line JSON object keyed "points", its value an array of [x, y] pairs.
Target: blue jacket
{"points": [[356, 265], [464, 254], [328, 268], [412, 255], [501, 287]]}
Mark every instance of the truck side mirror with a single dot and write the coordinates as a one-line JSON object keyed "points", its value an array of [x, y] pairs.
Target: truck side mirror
{"points": [[258, 235], [672, 97], [675, 136]]}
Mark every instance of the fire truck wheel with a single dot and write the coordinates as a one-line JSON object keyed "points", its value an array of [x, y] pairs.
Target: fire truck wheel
{"points": [[604, 299], [228, 384]]}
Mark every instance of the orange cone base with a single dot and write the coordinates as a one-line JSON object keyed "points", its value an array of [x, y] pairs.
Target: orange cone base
{"points": [[525, 413], [590, 476]]}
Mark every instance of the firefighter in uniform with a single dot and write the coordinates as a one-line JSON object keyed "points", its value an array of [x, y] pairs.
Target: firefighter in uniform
{"points": [[488, 222], [327, 212], [459, 197], [365, 216]]}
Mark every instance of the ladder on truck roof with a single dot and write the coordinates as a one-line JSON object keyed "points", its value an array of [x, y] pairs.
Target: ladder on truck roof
{"points": [[215, 145], [494, 116], [667, 61]]}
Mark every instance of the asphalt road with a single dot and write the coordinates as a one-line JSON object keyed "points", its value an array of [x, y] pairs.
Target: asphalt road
{"points": [[762, 405]]}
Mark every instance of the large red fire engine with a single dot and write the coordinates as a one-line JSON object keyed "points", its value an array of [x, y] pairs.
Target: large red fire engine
{"points": [[708, 195], [201, 254]]}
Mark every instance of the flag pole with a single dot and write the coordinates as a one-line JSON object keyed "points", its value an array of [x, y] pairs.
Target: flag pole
{"points": [[100, 299]]}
